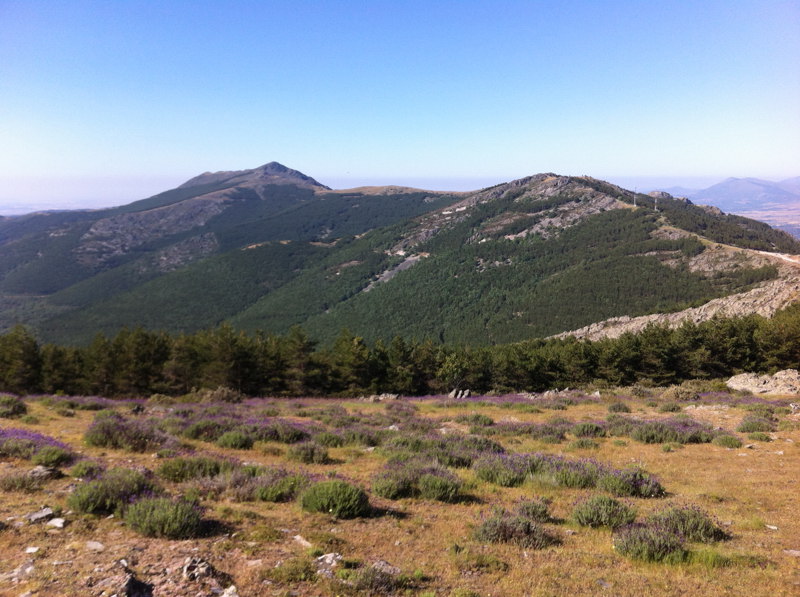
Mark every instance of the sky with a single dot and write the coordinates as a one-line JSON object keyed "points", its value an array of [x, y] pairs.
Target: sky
{"points": [[103, 103]]}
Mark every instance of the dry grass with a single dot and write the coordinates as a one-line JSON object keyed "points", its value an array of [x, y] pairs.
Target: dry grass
{"points": [[744, 489]]}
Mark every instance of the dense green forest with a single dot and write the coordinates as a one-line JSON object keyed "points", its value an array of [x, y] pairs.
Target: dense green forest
{"points": [[140, 363]]}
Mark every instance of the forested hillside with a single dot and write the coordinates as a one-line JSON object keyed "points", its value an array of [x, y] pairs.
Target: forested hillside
{"points": [[271, 248]]}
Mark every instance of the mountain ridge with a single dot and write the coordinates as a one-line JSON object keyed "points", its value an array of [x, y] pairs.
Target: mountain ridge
{"points": [[269, 247]]}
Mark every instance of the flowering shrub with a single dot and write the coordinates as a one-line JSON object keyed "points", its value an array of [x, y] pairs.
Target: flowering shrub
{"points": [[603, 511], [182, 469], [417, 479], [649, 543], [112, 430], [309, 453], [11, 406], [164, 518], [689, 522], [21, 443], [503, 527], [337, 498], [537, 509], [110, 493]]}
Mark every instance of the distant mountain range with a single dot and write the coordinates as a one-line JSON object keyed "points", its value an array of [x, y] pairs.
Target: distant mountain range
{"points": [[270, 247], [777, 203]]}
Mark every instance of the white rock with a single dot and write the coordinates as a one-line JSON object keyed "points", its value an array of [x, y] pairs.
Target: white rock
{"points": [[57, 523], [95, 546], [31, 549]]}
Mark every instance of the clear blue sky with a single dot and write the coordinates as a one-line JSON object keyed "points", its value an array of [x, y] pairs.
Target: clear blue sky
{"points": [[104, 102]]}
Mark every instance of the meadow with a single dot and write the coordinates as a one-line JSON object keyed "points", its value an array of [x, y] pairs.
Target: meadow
{"points": [[683, 490]]}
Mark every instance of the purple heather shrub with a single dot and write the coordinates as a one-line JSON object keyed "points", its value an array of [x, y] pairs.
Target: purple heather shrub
{"points": [[577, 474], [503, 527], [21, 443], [415, 478], [112, 492], [689, 522], [112, 430], [506, 470], [603, 511], [649, 543], [632, 482]]}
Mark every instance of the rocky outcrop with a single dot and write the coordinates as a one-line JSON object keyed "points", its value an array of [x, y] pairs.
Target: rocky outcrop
{"points": [[765, 300], [271, 173], [783, 382], [118, 235]]}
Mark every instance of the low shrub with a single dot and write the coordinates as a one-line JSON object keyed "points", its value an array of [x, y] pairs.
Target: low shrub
{"points": [[506, 470], [467, 559], [87, 469], [164, 518], [583, 443], [52, 456], [727, 441], [654, 432], [183, 469], [649, 543], [587, 429], [537, 509], [277, 488], [21, 443], [20, 482], [329, 440], [759, 436], [476, 419], [235, 440], [690, 523], [111, 492], [603, 511], [576, 474], [752, 423], [293, 570], [417, 479], [680, 394], [670, 407], [502, 527], [337, 498], [11, 406], [618, 407], [308, 453], [112, 430], [632, 482]]}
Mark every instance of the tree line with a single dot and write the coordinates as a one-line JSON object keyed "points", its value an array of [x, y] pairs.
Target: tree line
{"points": [[138, 362]]}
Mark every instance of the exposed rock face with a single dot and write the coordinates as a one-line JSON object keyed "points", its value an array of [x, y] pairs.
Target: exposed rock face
{"points": [[783, 382], [764, 300], [118, 235], [659, 195], [176, 256]]}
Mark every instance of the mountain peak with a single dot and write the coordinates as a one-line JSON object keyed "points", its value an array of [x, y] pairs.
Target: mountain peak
{"points": [[270, 173]]}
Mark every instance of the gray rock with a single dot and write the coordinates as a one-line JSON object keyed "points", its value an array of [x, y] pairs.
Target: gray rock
{"points": [[386, 567], [195, 568], [230, 592], [44, 473], [95, 546], [40, 516], [327, 562], [57, 523]]}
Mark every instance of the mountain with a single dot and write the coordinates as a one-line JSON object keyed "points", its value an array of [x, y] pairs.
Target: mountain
{"points": [[269, 248], [776, 203]]}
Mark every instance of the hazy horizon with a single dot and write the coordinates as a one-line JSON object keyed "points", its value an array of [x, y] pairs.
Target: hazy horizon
{"points": [[105, 192], [109, 102]]}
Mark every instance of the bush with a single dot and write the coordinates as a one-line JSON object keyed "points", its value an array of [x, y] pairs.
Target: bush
{"points": [[20, 482], [11, 406], [588, 430], [759, 436], [417, 479], [537, 510], [727, 441], [476, 419], [110, 493], [670, 407], [277, 487], [690, 523], [632, 482], [753, 423], [506, 470], [618, 407], [164, 518], [294, 570], [111, 430], [87, 469], [328, 439], [236, 440], [576, 474], [182, 469], [680, 394], [337, 498], [221, 394], [52, 456], [583, 443], [519, 530], [309, 453], [655, 432], [441, 486], [603, 511], [649, 543]]}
